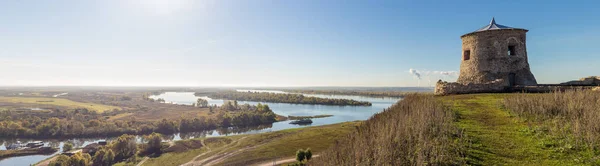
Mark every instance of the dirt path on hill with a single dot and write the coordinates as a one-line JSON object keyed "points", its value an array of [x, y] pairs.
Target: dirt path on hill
{"points": [[47, 162], [204, 145], [279, 162], [214, 158], [142, 162]]}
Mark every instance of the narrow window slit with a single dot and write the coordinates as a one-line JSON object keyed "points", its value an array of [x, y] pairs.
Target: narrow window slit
{"points": [[511, 50]]}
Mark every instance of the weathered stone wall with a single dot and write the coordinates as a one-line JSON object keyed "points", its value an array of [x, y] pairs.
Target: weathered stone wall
{"points": [[489, 59], [447, 88], [587, 81]]}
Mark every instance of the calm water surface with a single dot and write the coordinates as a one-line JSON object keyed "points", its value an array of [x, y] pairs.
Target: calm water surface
{"points": [[340, 114]]}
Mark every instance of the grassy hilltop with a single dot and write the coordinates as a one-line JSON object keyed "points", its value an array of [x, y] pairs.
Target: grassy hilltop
{"points": [[486, 129]]}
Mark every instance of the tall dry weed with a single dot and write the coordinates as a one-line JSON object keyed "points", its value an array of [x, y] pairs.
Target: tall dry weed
{"points": [[572, 115], [416, 131]]}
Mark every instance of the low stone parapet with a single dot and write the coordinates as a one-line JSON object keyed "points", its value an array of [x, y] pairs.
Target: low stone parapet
{"points": [[447, 88]]}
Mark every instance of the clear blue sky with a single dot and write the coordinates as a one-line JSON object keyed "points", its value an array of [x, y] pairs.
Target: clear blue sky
{"points": [[278, 43]]}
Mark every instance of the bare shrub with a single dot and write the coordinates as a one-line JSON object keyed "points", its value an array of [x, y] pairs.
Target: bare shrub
{"points": [[416, 131]]}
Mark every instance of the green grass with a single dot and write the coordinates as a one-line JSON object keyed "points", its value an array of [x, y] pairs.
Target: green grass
{"points": [[285, 143], [57, 102], [174, 158], [498, 138], [126, 163]]}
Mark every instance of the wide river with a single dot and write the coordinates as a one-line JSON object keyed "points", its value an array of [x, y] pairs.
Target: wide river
{"points": [[340, 114]]}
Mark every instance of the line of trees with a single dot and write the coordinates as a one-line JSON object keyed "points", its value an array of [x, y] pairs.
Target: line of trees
{"points": [[124, 148], [284, 98], [78, 159], [355, 93]]}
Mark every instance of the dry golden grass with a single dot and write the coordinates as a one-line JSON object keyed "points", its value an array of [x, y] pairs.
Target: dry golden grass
{"points": [[57, 102], [416, 131]]}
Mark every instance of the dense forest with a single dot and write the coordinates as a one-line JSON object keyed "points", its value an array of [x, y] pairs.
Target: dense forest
{"points": [[283, 98], [83, 123], [416, 131], [354, 93]]}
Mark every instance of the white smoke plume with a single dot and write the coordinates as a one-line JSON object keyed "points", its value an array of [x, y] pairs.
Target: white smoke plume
{"points": [[434, 74], [415, 73]]}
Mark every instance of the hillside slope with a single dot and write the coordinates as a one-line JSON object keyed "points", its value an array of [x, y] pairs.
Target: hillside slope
{"points": [[476, 129], [418, 130]]}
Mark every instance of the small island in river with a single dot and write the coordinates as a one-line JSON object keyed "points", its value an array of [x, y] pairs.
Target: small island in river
{"points": [[302, 122]]}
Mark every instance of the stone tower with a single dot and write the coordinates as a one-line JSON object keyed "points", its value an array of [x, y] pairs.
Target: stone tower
{"points": [[495, 52]]}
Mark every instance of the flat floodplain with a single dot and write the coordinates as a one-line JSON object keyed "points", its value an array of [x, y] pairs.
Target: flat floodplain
{"points": [[40, 101]]}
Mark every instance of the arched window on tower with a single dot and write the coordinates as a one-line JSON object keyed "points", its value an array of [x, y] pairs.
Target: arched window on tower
{"points": [[467, 55]]}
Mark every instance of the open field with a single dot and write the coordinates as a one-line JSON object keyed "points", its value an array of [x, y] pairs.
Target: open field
{"points": [[37, 101], [258, 148]]}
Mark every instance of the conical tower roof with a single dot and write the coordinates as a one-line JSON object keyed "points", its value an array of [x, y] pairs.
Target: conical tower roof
{"points": [[494, 26]]}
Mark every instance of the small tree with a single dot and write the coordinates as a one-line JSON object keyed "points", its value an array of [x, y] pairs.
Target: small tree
{"points": [[99, 156], [300, 155], [61, 160], [109, 158], [124, 147], [80, 159], [104, 157], [308, 154], [67, 147], [201, 102], [153, 145]]}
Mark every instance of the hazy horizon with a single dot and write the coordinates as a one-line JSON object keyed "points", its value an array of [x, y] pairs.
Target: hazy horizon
{"points": [[186, 43]]}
